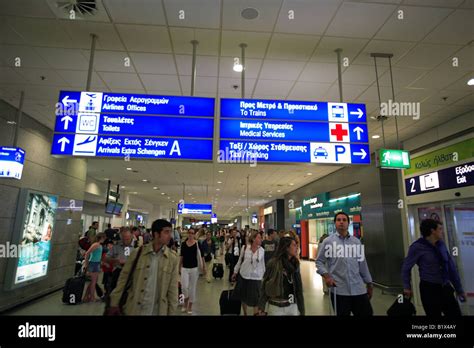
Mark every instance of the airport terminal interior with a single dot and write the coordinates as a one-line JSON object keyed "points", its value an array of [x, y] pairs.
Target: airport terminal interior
{"points": [[231, 119]]}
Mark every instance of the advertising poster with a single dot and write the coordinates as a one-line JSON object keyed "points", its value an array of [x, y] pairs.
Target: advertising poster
{"points": [[37, 229]]}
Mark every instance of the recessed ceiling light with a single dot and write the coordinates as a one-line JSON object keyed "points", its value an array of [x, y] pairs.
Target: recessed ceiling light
{"points": [[145, 180], [309, 173], [190, 194], [155, 188], [219, 182], [221, 171], [375, 136], [218, 189], [129, 168], [124, 186], [11, 122], [471, 82], [162, 193], [291, 184], [270, 196], [278, 190]]}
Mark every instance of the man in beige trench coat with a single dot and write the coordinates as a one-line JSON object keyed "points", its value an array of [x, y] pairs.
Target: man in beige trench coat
{"points": [[154, 288]]}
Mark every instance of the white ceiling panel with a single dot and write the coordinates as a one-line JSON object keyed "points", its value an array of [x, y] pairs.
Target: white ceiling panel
{"points": [[205, 65], [309, 91], [397, 48], [151, 63], [414, 94], [116, 81], [319, 72], [461, 84], [326, 47], [136, 11], [434, 3], [456, 29], [11, 75], [281, 70], [78, 80], [401, 77], [252, 67], [161, 82], [371, 96], [465, 58], [452, 96], [292, 47], [352, 19], [349, 92], [416, 23], [208, 41], [200, 14], [33, 76], [226, 86], [270, 87], [426, 56], [64, 58], [256, 43], [111, 61], [8, 35], [41, 32], [80, 33], [26, 56], [26, 8], [308, 16], [203, 84], [267, 10], [466, 101], [440, 77], [361, 74], [145, 38]]}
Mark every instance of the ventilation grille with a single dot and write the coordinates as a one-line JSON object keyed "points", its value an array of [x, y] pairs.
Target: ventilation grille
{"points": [[81, 7]]}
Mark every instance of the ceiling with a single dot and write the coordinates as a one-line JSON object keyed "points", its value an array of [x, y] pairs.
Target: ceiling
{"points": [[286, 58]]}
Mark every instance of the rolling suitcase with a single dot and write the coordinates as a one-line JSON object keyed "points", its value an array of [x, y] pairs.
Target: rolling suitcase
{"points": [[73, 289], [332, 293], [218, 270], [228, 305]]}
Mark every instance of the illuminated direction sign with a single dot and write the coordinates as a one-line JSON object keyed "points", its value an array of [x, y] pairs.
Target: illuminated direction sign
{"points": [[187, 208], [135, 125], [293, 131], [393, 159], [444, 179], [11, 162]]}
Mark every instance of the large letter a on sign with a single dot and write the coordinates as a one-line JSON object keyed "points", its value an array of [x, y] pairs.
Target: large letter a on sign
{"points": [[175, 148]]}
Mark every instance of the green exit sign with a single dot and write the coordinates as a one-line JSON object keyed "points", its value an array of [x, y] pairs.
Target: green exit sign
{"points": [[393, 159]]}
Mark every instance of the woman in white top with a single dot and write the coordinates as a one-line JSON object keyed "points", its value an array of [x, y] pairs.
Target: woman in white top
{"points": [[250, 268]]}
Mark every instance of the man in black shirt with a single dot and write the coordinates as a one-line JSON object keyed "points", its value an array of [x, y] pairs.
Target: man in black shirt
{"points": [[270, 245]]}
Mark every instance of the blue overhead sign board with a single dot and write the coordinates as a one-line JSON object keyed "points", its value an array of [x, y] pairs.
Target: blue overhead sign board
{"points": [[136, 125], [187, 208], [293, 131], [11, 162]]}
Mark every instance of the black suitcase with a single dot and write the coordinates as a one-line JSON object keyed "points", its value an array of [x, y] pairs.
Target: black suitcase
{"points": [[227, 305], [401, 309], [218, 270], [73, 289]]}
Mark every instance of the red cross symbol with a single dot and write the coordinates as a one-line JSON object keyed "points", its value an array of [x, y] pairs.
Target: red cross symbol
{"points": [[339, 132]]}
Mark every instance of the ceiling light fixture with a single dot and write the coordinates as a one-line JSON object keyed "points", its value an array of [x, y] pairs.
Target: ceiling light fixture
{"points": [[129, 168], [375, 136], [155, 188], [221, 171], [470, 82], [237, 66]]}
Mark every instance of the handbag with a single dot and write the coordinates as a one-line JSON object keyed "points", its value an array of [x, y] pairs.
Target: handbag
{"points": [[208, 258], [128, 285], [401, 309]]}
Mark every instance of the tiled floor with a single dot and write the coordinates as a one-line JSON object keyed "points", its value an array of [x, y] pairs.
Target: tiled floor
{"points": [[316, 302]]}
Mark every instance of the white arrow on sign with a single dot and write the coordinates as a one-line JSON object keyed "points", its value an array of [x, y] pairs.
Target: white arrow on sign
{"points": [[66, 119], [362, 153], [359, 112], [358, 130], [67, 101], [63, 141]]}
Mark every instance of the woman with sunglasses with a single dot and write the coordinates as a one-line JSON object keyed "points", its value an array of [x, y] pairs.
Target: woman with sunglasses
{"points": [[250, 270]]}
